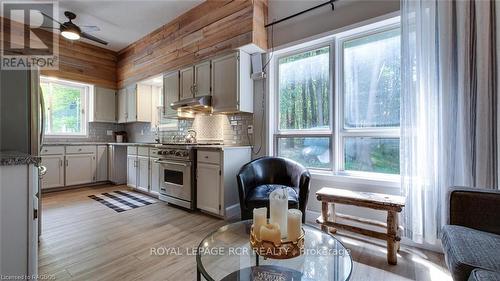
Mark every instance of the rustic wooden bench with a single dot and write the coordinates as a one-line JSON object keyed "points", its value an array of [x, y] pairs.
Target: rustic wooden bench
{"points": [[390, 203]]}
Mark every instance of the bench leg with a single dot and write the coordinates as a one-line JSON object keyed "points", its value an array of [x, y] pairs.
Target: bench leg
{"points": [[333, 230], [324, 214], [392, 243]]}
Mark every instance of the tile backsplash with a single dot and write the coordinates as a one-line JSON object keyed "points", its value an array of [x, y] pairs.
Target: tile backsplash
{"points": [[231, 129], [97, 132]]}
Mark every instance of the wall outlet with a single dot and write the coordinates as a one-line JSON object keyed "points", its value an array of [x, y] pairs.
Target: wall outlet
{"points": [[250, 129], [109, 132], [234, 123], [142, 132]]}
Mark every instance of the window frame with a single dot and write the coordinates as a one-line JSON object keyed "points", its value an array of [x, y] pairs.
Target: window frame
{"points": [[84, 98], [337, 133], [342, 132], [306, 132]]}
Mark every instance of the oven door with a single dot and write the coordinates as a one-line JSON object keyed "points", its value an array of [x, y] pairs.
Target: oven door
{"points": [[175, 179]]}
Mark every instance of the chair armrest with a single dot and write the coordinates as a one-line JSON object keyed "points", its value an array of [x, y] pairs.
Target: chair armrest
{"points": [[304, 184], [475, 208]]}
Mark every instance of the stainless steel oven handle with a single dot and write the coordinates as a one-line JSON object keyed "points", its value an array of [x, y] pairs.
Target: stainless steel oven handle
{"points": [[173, 163]]}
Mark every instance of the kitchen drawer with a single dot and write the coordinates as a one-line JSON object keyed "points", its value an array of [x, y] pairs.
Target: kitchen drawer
{"points": [[131, 150], [52, 150], [153, 152], [212, 157], [143, 151], [79, 149]]}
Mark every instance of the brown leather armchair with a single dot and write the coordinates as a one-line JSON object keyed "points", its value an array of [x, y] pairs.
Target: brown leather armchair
{"points": [[257, 179]]}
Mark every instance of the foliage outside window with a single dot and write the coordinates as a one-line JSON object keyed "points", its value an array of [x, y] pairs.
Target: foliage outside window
{"points": [[304, 108], [64, 108], [366, 104]]}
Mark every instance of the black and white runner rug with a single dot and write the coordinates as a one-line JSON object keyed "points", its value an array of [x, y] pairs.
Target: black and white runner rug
{"points": [[123, 200]]}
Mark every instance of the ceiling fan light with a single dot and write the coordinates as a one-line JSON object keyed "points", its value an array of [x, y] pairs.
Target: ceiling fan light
{"points": [[71, 35]]}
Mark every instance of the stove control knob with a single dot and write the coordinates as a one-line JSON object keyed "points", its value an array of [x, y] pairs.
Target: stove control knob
{"points": [[185, 154]]}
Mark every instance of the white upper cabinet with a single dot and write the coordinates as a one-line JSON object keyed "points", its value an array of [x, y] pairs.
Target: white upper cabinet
{"points": [[170, 92], [134, 104], [232, 86], [186, 83], [122, 106], [102, 105], [143, 103], [202, 83]]}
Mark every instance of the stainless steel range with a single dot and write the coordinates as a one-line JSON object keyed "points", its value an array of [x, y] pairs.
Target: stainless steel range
{"points": [[177, 175]]}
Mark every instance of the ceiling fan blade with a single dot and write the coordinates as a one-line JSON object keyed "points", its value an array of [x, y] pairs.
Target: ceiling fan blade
{"points": [[93, 38], [49, 17], [49, 27], [90, 28]]}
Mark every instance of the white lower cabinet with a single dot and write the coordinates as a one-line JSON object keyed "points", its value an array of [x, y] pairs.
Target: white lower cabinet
{"points": [[143, 173], [80, 169], [55, 171], [216, 187], [132, 171], [154, 175], [209, 187], [102, 163]]}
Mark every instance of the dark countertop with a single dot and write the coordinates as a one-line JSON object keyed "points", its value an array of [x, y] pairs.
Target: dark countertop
{"points": [[11, 158]]}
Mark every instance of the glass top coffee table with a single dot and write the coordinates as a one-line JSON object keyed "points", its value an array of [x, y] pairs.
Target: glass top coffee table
{"points": [[226, 255]]}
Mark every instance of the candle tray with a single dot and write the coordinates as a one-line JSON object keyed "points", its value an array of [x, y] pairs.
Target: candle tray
{"points": [[285, 250]]}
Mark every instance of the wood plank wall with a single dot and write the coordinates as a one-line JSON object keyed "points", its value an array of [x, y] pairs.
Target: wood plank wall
{"points": [[214, 27], [78, 61]]}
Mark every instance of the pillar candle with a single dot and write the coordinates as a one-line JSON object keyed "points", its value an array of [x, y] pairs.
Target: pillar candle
{"points": [[294, 224], [271, 232], [259, 219], [278, 204]]}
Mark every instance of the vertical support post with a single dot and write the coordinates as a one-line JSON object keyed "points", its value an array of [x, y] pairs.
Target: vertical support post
{"points": [[398, 232], [392, 228], [333, 230], [324, 214]]}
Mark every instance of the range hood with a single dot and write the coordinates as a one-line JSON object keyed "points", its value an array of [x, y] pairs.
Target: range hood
{"points": [[196, 104]]}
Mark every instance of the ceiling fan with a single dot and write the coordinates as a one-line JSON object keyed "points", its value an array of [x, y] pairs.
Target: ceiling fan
{"points": [[71, 31]]}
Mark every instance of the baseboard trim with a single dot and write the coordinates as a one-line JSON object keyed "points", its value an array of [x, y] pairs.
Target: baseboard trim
{"points": [[233, 211], [62, 188]]}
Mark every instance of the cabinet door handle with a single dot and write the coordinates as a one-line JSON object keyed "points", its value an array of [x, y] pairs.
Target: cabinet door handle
{"points": [[66, 162], [60, 162]]}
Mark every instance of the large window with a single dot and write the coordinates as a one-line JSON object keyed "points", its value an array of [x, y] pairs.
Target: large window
{"points": [[352, 127], [65, 113], [304, 102]]}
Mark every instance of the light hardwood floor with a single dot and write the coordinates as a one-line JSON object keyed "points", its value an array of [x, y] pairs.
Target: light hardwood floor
{"points": [[85, 240]]}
